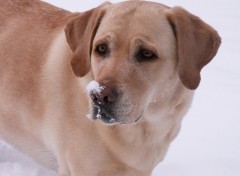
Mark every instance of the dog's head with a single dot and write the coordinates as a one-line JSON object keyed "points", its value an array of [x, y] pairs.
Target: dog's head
{"points": [[138, 52]]}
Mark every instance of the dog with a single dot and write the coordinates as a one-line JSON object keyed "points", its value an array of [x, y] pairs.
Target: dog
{"points": [[98, 93]]}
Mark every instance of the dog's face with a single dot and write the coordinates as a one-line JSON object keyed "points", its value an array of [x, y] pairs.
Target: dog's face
{"points": [[135, 52], [134, 57]]}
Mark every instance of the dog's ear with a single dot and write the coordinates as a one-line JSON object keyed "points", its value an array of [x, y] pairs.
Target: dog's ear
{"points": [[80, 33], [197, 44]]}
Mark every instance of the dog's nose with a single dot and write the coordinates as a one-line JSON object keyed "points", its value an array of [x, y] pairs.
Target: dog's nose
{"points": [[108, 95]]}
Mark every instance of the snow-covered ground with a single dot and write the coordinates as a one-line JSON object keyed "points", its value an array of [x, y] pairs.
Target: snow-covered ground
{"points": [[209, 142]]}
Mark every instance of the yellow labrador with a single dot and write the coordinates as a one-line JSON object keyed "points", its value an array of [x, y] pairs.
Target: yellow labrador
{"points": [[131, 67]]}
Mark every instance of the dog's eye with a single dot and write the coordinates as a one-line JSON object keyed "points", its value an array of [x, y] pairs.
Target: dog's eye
{"points": [[102, 49], [146, 55]]}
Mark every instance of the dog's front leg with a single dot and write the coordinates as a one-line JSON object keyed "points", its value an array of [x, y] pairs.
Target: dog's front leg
{"points": [[63, 169], [78, 161], [122, 171], [70, 165], [75, 165]]}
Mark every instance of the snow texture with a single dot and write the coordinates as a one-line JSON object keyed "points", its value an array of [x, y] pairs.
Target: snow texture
{"points": [[209, 141], [94, 87]]}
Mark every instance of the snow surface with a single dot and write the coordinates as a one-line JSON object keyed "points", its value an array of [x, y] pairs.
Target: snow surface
{"points": [[209, 142]]}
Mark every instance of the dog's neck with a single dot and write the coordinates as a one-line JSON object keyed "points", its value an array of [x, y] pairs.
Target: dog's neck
{"points": [[149, 138]]}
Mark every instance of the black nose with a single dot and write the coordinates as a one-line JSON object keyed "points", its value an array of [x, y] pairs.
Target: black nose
{"points": [[107, 96]]}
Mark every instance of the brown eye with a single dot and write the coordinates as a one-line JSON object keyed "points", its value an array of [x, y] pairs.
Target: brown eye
{"points": [[102, 49], [146, 55]]}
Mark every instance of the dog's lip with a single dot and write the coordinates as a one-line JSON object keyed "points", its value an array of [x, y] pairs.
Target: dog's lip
{"points": [[137, 119], [109, 119], [100, 112]]}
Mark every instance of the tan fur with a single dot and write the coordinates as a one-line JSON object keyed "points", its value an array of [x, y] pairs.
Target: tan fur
{"points": [[44, 104]]}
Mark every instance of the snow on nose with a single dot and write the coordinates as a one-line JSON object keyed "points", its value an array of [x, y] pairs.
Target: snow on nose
{"points": [[94, 87]]}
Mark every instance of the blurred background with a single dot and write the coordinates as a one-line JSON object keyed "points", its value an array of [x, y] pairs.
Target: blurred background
{"points": [[209, 142]]}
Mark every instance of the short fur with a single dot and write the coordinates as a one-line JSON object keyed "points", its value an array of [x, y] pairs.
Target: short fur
{"points": [[47, 58]]}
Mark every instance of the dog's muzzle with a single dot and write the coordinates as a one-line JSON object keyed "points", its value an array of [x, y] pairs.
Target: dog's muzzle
{"points": [[107, 106], [104, 100]]}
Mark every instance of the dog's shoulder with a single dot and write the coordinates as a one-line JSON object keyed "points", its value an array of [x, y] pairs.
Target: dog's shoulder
{"points": [[32, 11]]}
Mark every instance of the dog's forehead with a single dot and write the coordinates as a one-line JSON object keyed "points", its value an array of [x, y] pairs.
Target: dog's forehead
{"points": [[134, 6], [131, 10], [133, 17], [128, 21]]}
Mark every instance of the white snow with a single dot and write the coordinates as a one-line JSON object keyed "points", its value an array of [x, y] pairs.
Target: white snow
{"points": [[15, 163], [209, 141], [98, 114], [94, 87]]}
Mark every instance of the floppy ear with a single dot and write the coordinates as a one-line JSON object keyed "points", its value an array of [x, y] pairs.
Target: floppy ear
{"points": [[197, 44], [80, 33]]}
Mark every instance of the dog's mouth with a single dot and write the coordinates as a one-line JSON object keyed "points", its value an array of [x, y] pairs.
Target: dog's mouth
{"points": [[108, 117], [103, 114]]}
